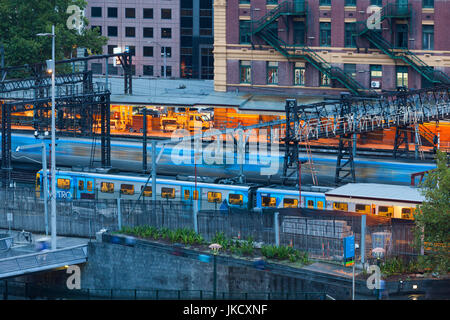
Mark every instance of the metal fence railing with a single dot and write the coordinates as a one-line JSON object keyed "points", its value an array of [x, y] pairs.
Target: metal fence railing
{"points": [[23, 290]]}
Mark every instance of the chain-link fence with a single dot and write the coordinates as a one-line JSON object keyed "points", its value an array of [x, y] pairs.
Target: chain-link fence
{"points": [[319, 232]]}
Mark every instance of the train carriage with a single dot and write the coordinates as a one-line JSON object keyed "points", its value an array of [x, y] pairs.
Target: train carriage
{"points": [[87, 185], [267, 198], [391, 201]]}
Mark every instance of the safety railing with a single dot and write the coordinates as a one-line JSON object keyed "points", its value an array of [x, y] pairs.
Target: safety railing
{"points": [[42, 260]]}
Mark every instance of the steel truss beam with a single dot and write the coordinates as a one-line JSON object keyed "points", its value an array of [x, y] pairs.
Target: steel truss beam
{"points": [[353, 115], [67, 108]]}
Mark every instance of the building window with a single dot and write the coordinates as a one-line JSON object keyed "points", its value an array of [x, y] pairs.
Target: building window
{"points": [[376, 3], [299, 32], [111, 49], [428, 4], [324, 80], [350, 70], [299, 74], [325, 2], [96, 12], [244, 31], [166, 33], [402, 35], [148, 70], [402, 76], [132, 50], [130, 32], [148, 52], [325, 34], [148, 32], [350, 3], [130, 13], [98, 28], [112, 31], [113, 70], [168, 71], [148, 13], [376, 71], [245, 71], [272, 72], [112, 12], [427, 37], [168, 51], [166, 13], [350, 35]]}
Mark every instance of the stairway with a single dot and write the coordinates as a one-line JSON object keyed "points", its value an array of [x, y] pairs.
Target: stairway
{"points": [[403, 54], [260, 28], [306, 53]]}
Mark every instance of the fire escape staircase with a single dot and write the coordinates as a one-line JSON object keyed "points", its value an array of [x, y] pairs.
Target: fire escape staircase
{"points": [[394, 11], [261, 28]]}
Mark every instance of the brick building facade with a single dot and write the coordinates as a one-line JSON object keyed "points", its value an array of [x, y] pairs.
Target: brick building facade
{"points": [[317, 47]]}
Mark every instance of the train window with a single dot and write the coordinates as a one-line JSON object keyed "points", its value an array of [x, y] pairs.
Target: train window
{"points": [[80, 185], [63, 183], [127, 189], [319, 204], [269, 201], [407, 213], [343, 206], [168, 193], [385, 211], [235, 199], [147, 191], [214, 196], [38, 182], [89, 186], [290, 203], [362, 208], [107, 187], [310, 203], [186, 194], [195, 195]]}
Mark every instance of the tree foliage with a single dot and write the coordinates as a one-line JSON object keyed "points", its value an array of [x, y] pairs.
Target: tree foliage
{"points": [[21, 20], [433, 217]]}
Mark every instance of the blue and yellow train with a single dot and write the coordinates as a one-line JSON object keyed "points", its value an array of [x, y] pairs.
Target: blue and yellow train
{"points": [[385, 200]]}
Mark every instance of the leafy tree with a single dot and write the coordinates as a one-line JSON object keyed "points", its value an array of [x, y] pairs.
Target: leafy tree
{"points": [[433, 217], [21, 20]]}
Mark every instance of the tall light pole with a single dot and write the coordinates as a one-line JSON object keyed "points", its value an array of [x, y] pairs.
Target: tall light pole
{"points": [[53, 152], [165, 56]]}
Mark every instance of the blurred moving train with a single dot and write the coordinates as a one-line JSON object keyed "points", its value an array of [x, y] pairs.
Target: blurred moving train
{"points": [[366, 198]]}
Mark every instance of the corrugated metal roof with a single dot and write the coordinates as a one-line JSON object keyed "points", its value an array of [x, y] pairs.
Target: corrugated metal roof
{"points": [[378, 191], [194, 92]]}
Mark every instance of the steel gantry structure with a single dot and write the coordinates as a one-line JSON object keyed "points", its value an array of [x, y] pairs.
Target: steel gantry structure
{"points": [[354, 115]]}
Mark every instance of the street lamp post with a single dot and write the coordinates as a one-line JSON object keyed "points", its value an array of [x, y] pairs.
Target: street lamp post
{"points": [[53, 152], [215, 247], [44, 175]]}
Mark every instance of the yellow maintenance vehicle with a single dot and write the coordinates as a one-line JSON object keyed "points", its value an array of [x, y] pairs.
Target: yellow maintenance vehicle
{"points": [[188, 120]]}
